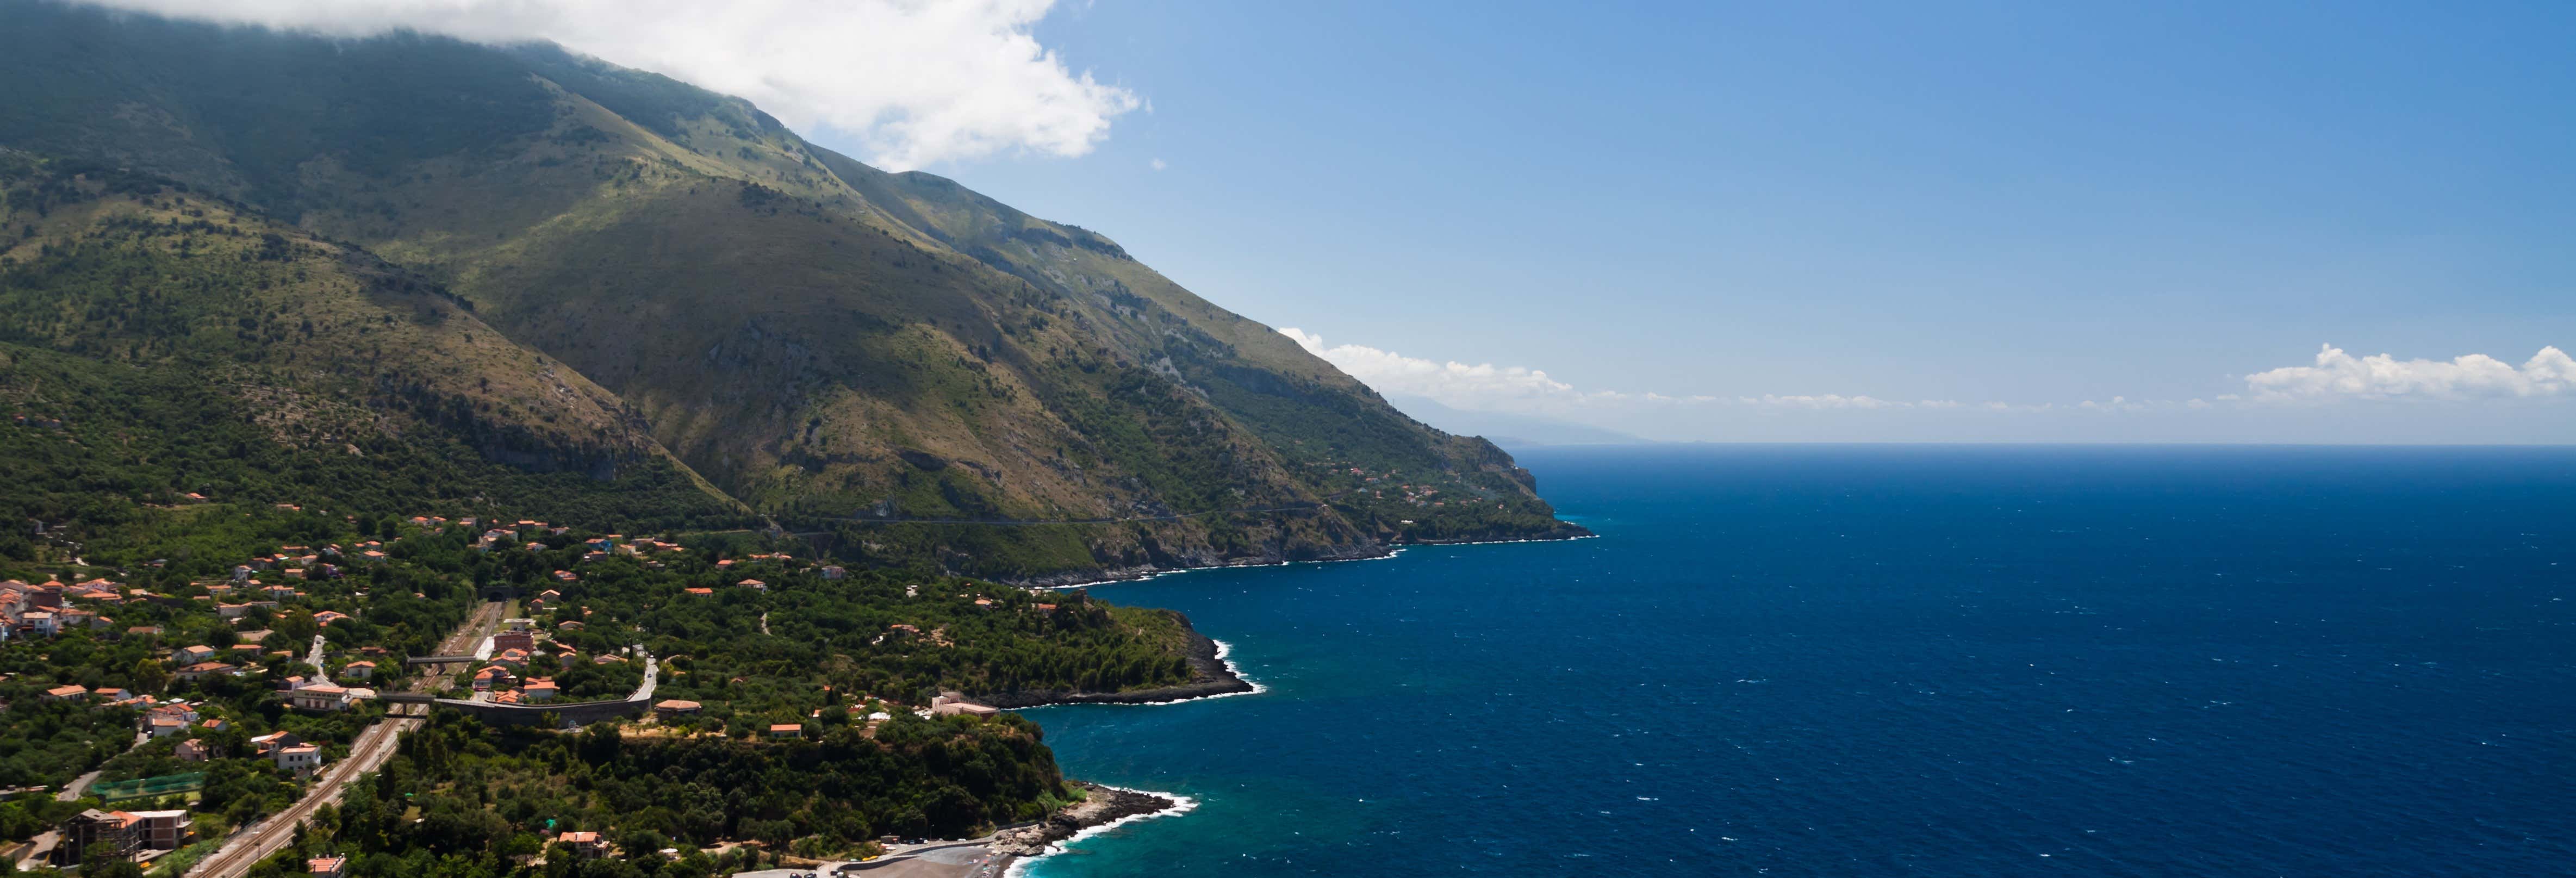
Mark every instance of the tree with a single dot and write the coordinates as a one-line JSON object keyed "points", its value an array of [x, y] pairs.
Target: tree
{"points": [[148, 675]]}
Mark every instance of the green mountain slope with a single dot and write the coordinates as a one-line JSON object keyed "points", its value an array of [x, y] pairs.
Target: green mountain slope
{"points": [[155, 343], [861, 355]]}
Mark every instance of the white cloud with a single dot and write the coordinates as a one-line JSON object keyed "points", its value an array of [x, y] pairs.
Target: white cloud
{"points": [[2339, 375], [1158, 164], [1823, 401], [1487, 387], [1452, 383], [916, 82]]}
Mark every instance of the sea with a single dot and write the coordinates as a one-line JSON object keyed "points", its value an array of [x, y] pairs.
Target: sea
{"points": [[1895, 660]]}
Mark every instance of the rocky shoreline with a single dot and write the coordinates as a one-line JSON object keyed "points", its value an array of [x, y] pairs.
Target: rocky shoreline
{"points": [[1100, 806], [1211, 676]]}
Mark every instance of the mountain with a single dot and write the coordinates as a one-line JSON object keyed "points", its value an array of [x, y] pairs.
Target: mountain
{"points": [[864, 356], [1509, 430], [155, 342]]}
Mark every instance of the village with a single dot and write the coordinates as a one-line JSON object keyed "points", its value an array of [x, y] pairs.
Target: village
{"points": [[246, 689]]}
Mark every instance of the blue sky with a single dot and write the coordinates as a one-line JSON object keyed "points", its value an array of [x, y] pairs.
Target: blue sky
{"points": [[2032, 204], [1733, 221]]}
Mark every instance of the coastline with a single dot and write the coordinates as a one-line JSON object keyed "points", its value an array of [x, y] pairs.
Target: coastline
{"points": [[1375, 552], [1016, 850], [1216, 675], [1105, 808]]}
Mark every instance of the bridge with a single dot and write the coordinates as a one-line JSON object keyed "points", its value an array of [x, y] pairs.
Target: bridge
{"points": [[562, 713]]}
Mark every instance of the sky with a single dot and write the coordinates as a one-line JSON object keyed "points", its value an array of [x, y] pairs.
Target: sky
{"points": [[2181, 222]]}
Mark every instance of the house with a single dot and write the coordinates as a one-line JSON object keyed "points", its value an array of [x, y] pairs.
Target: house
{"points": [[787, 730], [587, 844], [143, 631], [180, 712], [326, 617], [834, 572], [753, 584], [162, 830], [514, 640], [189, 655], [358, 670], [327, 867], [670, 708], [165, 726], [203, 669], [110, 693], [65, 693], [537, 690], [516, 659], [40, 623], [192, 750], [273, 741], [567, 576], [298, 759], [494, 677], [700, 592], [322, 696], [111, 832]]}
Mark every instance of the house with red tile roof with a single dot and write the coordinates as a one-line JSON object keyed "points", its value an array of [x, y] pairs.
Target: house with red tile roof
{"points": [[587, 844]]}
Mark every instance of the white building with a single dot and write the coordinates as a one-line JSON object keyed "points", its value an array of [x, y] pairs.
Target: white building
{"points": [[299, 759]]}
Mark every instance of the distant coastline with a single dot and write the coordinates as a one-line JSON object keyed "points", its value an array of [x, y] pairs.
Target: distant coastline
{"points": [[1369, 552]]}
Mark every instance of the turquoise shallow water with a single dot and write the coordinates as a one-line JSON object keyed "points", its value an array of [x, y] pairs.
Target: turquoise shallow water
{"points": [[1868, 661]]}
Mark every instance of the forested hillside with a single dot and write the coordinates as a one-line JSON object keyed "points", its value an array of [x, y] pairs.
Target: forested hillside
{"points": [[157, 343]]}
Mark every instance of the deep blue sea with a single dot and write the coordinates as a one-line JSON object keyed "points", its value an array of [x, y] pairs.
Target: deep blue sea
{"points": [[1938, 661]]}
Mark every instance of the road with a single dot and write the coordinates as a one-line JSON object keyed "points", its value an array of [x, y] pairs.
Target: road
{"points": [[43, 843], [366, 754], [652, 674], [314, 658]]}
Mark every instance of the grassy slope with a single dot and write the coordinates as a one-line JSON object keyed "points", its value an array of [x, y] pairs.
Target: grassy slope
{"points": [[189, 346]]}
